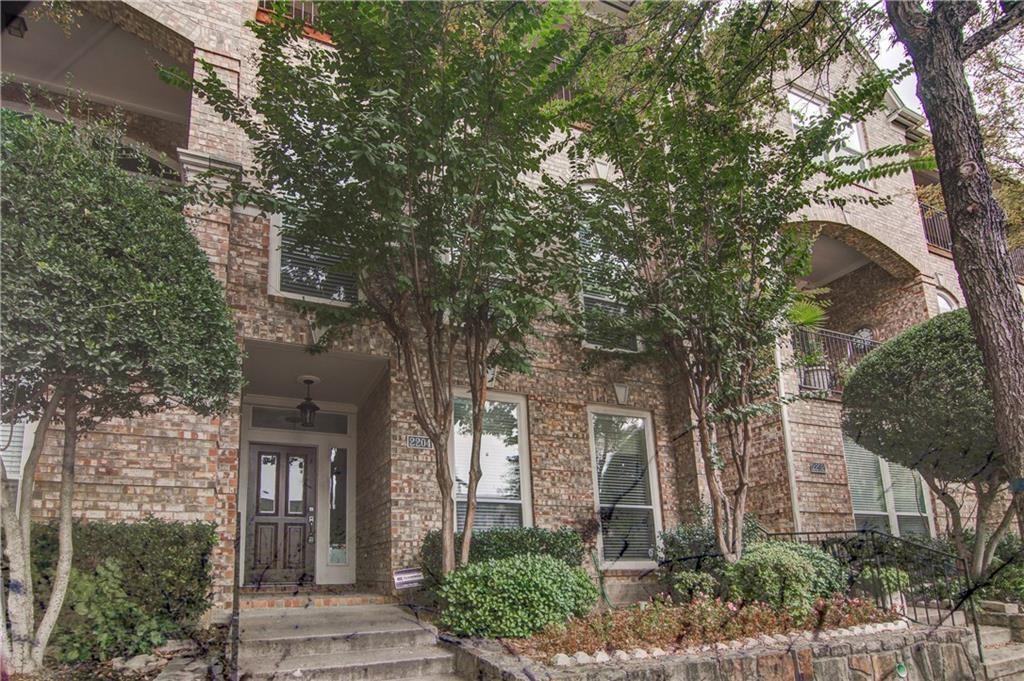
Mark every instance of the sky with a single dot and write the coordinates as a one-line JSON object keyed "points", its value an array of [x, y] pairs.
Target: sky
{"points": [[891, 57]]}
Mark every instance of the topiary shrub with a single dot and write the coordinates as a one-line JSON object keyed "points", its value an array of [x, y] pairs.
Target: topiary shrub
{"points": [[162, 569], [776, 573], [514, 597], [564, 544], [830, 576]]}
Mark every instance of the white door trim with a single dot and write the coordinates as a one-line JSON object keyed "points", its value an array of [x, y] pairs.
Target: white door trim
{"points": [[323, 442]]}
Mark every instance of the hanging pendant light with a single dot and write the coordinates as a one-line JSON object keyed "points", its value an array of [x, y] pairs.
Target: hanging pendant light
{"points": [[307, 408]]}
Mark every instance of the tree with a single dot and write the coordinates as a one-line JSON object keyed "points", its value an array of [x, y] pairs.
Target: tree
{"points": [[411, 153], [110, 311], [921, 400], [694, 235], [939, 50]]}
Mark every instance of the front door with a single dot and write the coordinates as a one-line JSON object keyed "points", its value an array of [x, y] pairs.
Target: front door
{"points": [[281, 514]]}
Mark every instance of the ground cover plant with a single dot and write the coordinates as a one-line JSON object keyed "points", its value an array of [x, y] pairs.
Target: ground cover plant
{"points": [[701, 621]]}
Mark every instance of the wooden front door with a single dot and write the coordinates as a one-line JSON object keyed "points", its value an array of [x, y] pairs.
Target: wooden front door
{"points": [[281, 514]]}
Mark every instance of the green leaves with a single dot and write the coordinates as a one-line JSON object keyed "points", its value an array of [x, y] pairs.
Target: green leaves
{"points": [[105, 287]]}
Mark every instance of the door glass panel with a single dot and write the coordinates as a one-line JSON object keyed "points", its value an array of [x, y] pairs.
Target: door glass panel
{"points": [[288, 419], [337, 552], [267, 484], [296, 484]]}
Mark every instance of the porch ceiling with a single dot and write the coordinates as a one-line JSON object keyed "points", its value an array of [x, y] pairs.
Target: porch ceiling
{"points": [[84, 59], [831, 259], [272, 369]]}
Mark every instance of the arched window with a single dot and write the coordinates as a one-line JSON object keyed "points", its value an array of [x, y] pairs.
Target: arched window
{"points": [[946, 302]]}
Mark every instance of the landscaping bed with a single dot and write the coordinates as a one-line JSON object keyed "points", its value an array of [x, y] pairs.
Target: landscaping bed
{"points": [[666, 627]]}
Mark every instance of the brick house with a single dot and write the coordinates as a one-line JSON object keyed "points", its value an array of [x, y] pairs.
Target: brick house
{"points": [[343, 504]]}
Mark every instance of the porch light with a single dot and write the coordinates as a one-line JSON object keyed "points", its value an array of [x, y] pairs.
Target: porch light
{"points": [[307, 408], [621, 392]]}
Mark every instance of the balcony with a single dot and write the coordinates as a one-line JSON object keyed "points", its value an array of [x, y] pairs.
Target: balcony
{"points": [[936, 227], [306, 11], [825, 356], [938, 235]]}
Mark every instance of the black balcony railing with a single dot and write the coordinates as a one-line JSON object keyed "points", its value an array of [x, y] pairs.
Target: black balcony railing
{"points": [[825, 356], [936, 227], [306, 11]]}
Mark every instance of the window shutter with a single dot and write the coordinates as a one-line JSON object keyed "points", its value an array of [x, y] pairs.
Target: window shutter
{"points": [[864, 477], [14, 439], [307, 272]]}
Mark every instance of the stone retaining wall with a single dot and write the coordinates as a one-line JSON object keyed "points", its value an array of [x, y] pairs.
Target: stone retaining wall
{"points": [[928, 654]]}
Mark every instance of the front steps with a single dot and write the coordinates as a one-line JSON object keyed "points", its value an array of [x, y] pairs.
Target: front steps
{"points": [[1001, 627], [370, 642]]}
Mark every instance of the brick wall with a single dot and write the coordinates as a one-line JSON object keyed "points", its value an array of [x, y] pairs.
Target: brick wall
{"points": [[373, 491]]}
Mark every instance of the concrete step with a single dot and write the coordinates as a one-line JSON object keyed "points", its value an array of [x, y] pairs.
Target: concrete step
{"points": [[998, 619], [287, 644], [994, 636], [1000, 607], [391, 663], [272, 601], [1005, 662]]}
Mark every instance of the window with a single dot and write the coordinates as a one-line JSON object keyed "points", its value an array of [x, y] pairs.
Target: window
{"points": [[626, 486], [304, 273], [804, 111], [945, 302], [280, 418], [502, 496], [886, 497], [598, 301], [15, 444]]}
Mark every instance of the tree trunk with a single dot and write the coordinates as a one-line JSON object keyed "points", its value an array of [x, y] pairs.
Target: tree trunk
{"points": [[444, 483], [62, 573], [476, 370], [977, 222]]}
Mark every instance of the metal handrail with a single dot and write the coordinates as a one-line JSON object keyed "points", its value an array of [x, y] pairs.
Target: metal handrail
{"points": [[824, 356]]}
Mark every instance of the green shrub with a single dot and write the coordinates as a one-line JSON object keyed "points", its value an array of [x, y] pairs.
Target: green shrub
{"points": [[888, 579], [163, 569], [564, 544], [100, 621], [689, 585], [830, 576], [776, 573], [691, 548], [514, 597]]}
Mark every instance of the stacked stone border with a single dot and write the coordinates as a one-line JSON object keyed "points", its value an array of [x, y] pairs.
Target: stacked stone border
{"points": [[928, 654]]}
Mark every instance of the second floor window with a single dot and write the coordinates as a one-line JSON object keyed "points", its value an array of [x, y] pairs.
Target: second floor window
{"points": [[804, 110], [307, 273]]}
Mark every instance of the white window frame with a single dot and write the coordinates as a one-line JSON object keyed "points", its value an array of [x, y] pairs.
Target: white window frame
{"points": [[652, 471], [27, 439], [950, 301], [274, 271], [890, 511], [525, 481], [856, 127]]}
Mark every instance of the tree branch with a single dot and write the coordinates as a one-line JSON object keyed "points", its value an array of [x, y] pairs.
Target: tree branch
{"points": [[910, 21], [985, 36]]}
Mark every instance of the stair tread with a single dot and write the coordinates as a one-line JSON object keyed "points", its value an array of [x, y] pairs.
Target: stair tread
{"points": [[360, 658], [1011, 651], [319, 630]]}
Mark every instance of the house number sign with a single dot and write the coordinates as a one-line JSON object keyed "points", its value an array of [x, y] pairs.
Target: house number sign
{"points": [[418, 442]]}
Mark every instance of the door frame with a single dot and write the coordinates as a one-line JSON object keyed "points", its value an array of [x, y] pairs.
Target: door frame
{"points": [[322, 442]]}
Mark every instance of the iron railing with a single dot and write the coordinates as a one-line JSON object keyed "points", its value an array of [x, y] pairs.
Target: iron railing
{"points": [[825, 356], [923, 584], [306, 11], [936, 227]]}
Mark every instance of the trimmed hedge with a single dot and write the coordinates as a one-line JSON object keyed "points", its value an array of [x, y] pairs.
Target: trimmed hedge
{"points": [[133, 584], [564, 544], [514, 597], [830, 577]]}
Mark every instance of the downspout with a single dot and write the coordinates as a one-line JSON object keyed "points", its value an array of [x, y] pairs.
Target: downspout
{"points": [[787, 440]]}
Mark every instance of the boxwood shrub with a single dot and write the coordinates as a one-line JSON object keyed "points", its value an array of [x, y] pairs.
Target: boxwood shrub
{"points": [[777, 573], [514, 597], [830, 576], [564, 544], [132, 584]]}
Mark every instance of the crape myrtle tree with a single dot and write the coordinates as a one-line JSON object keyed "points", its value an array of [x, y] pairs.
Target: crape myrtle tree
{"points": [[410, 152], [921, 400], [110, 311], [941, 39], [694, 235]]}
